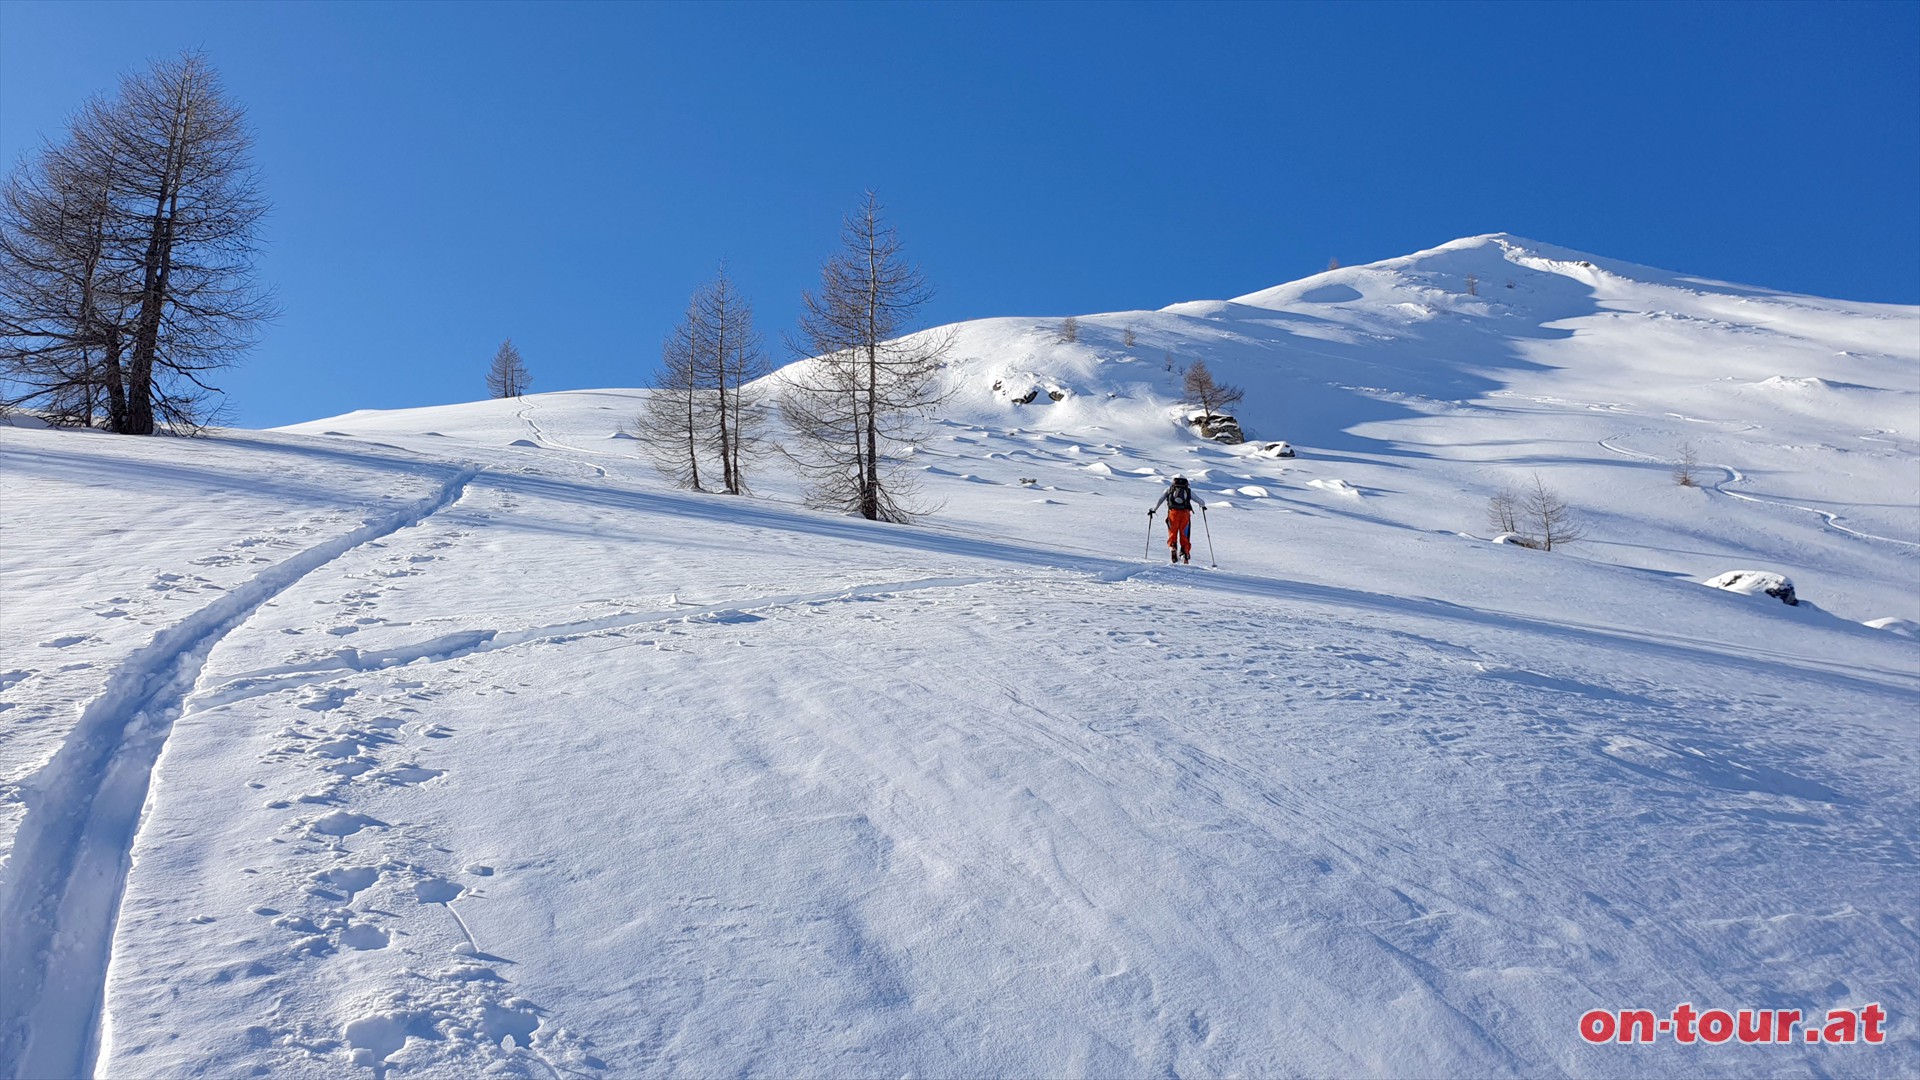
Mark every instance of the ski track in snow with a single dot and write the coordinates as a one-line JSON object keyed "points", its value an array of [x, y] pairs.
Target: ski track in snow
{"points": [[1735, 476], [69, 861], [540, 436]]}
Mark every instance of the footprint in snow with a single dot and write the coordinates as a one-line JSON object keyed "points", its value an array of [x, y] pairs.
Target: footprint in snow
{"points": [[349, 769], [342, 823], [436, 891], [408, 775], [363, 937], [349, 879], [329, 701], [469, 972], [335, 748], [464, 1010]]}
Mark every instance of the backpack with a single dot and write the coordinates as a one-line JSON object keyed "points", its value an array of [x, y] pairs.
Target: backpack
{"points": [[1179, 497]]}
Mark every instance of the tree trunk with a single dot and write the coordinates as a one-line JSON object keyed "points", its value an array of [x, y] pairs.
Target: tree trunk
{"points": [[116, 387], [693, 444], [728, 482], [146, 325], [158, 270], [870, 481]]}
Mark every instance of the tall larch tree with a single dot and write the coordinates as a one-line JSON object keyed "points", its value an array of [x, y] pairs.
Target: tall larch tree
{"points": [[853, 408]]}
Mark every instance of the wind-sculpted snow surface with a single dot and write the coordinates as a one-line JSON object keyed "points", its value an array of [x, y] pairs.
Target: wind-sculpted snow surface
{"points": [[66, 860], [540, 768]]}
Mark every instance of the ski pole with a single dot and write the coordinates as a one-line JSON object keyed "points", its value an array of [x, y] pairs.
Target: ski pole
{"points": [[1209, 527], [1148, 553]]}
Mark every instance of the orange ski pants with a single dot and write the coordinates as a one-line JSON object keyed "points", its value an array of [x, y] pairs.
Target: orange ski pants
{"points": [[1180, 530]]}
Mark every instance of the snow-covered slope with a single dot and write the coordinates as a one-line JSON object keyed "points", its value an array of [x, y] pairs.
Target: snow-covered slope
{"points": [[467, 745], [1396, 379]]}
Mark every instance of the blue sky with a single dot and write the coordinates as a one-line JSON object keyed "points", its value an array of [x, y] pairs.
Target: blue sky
{"points": [[446, 175]]}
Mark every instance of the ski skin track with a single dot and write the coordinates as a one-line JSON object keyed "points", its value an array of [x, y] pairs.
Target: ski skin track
{"points": [[540, 436], [1735, 476], [60, 890]]}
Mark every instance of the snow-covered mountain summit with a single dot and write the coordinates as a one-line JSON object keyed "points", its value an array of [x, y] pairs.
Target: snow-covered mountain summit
{"points": [[1482, 313], [452, 740], [1427, 382]]}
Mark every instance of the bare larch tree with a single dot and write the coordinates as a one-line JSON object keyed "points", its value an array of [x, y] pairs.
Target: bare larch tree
{"points": [[704, 404], [126, 255], [1688, 464], [852, 408], [673, 425], [1503, 510], [1548, 517], [727, 360], [507, 375], [1203, 391]]}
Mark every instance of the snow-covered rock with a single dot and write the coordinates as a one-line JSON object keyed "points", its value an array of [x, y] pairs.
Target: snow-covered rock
{"points": [[1336, 486], [1756, 583], [1025, 390], [1217, 427]]}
